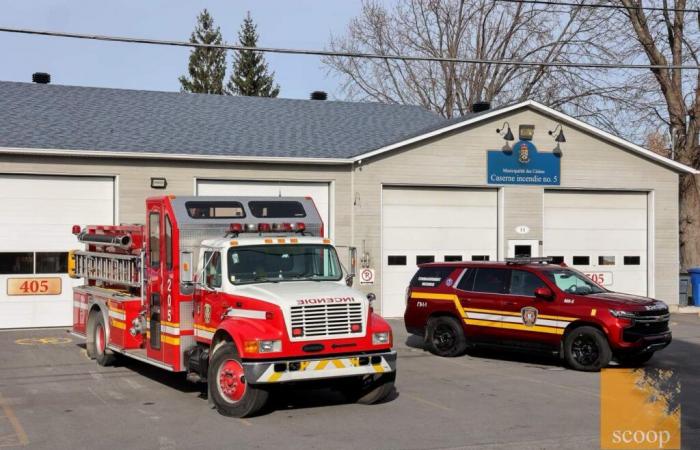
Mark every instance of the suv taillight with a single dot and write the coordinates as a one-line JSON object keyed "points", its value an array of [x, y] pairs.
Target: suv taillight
{"points": [[408, 294]]}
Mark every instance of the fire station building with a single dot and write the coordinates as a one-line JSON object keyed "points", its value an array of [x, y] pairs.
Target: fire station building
{"points": [[401, 184]]}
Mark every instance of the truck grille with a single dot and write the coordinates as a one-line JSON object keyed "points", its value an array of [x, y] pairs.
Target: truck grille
{"points": [[327, 320]]}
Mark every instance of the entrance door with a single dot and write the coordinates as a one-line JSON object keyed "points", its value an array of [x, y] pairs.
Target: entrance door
{"points": [[155, 280], [523, 248]]}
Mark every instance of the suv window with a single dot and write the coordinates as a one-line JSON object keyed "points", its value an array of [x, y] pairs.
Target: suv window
{"points": [[430, 276], [494, 281], [467, 281], [524, 283]]}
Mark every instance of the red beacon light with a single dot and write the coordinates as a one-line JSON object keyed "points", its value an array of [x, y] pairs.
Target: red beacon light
{"points": [[264, 227], [235, 228], [300, 226], [76, 229]]}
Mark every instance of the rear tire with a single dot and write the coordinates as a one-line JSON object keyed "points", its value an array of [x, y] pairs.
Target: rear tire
{"points": [[369, 389], [445, 337], [231, 393], [586, 349], [103, 355], [634, 360]]}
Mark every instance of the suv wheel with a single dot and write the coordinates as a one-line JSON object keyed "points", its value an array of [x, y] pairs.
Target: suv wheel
{"points": [[587, 349], [445, 337]]}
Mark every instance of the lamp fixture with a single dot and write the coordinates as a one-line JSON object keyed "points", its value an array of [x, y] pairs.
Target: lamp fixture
{"points": [[507, 136], [559, 138], [158, 183]]}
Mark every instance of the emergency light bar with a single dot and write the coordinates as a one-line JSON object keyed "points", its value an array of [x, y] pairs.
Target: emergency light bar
{"points": [[265, 227], [529, 260]]}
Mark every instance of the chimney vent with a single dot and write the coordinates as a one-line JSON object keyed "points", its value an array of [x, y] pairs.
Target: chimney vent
{"points": [[318, 95], [41, 78], [481, 106]]}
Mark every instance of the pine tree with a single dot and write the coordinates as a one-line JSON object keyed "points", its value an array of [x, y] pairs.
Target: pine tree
{"points": [[207, 66], [250, 75]]}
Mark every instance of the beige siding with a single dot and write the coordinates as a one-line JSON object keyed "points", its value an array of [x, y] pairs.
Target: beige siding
{"points": [[459, 159]]}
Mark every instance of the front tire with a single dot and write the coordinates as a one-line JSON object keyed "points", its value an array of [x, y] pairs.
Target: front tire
{"points": [[369, 389], [103, 355], [586, 349], [445, 337], [231, 393]]}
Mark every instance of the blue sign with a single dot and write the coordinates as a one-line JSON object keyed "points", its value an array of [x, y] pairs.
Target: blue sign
{"points": [[523, 165]]}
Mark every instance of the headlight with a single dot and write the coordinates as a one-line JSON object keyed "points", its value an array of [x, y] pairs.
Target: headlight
{"points": [[262, 346], [381, 338], [622, 314]]}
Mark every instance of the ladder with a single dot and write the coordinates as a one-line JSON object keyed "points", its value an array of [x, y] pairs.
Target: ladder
{"points": [[123, 270]]}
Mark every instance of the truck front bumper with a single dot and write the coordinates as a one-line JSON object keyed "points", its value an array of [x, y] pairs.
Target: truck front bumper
{"points": [[312, 369]]}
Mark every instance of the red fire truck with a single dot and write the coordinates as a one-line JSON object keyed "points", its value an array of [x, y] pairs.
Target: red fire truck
{"points": [[240, 292]]}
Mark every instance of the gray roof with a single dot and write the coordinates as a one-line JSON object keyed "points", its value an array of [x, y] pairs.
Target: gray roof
{"points": [[39, 116]]}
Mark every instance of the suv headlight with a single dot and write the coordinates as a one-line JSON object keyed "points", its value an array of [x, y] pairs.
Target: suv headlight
{"points": [[381, 338], [622, 314]]}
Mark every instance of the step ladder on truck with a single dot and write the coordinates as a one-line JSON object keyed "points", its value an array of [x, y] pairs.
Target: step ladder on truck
{"points": [[243, 293]]}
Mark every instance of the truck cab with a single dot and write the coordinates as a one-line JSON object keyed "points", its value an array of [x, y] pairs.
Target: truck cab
{"points": [[240, 292]]}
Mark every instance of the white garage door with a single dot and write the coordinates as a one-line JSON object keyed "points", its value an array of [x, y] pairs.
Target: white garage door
{"points": [[603, 234], [432, 224], [318, 191], [38, 213]]}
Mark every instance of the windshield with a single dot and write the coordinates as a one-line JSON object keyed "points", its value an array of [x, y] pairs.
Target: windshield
{"points": [[573, 282], [274, 263]]}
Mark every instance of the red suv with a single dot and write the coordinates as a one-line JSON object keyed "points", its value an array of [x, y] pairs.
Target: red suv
{"points": [[531, 303]]}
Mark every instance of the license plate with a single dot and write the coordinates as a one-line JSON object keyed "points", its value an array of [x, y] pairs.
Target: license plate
{"points": [[34, 286]]}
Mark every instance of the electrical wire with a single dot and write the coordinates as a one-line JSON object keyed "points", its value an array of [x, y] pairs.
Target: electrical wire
{"points": [[312, 52], [600, 5]]}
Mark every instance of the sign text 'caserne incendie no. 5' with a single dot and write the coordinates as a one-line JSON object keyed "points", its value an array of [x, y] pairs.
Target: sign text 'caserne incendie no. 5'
{"points": [[523, 165]]}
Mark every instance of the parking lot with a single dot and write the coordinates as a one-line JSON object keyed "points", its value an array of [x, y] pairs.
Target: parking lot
{"points": [[52, 396]]}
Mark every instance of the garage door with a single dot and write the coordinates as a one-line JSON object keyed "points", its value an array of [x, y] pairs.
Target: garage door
{"points": [[318, 191], [35, 233], [432, 224], [603, 234]]}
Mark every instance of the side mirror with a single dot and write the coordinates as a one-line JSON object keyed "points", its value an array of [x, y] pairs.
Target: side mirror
{"points": [[371, 297], [186, 268], [544, 293]]}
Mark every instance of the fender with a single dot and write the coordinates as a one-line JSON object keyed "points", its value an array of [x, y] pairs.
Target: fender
{"points": [[242, 329]]}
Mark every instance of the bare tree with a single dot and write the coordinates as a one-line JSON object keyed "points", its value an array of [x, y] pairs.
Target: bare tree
{"points": [[481, 29]]}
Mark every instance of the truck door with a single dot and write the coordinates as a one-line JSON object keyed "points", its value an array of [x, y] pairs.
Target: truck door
{"points": [[155, 280], [210, 310]]}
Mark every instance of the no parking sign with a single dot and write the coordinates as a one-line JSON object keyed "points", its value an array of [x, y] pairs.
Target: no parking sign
{"points": [[366, 276]]}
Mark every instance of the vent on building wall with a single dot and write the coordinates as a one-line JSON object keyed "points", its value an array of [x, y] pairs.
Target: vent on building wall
{"points": [[318, 95], [41, 78], [481, 106]]}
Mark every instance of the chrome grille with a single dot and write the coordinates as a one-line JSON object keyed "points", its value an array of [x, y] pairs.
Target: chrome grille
{"points": [[327, 320]]}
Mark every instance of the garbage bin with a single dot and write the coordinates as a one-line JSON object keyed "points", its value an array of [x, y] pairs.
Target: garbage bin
{"points": [[695, 283]]}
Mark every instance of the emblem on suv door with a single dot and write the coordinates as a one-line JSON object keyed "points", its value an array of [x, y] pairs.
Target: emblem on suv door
{"points": [[529, 315]]}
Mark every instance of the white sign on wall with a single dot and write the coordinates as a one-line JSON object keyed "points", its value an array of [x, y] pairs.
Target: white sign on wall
{"points": [[522, 229], [366, 276]]}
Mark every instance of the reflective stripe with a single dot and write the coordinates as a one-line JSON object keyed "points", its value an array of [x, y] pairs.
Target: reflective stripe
{"points": [[203, 333], [325, 368], [171, 340], [247, 313], [117, 314], [118, 324], [80, 305], [169, 330]]}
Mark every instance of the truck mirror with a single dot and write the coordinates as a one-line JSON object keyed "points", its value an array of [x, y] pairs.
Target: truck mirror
{"points": [[186, 268]]}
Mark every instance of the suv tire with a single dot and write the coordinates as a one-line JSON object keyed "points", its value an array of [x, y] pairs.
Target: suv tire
{"points": [[445, 337], [586, 348]]}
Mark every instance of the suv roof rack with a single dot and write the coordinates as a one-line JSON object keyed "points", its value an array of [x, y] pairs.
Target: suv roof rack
{"points": [[529, 260]]}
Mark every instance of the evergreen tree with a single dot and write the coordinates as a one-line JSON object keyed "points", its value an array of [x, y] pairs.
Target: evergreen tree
{"points": [[250, 75], [207, 66]]}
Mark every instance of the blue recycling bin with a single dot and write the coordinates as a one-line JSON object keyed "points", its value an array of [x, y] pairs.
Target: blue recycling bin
{"points": [[695, 282]]}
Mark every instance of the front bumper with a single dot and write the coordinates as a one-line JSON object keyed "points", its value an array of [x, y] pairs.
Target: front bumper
{"points": [[315, 369]]}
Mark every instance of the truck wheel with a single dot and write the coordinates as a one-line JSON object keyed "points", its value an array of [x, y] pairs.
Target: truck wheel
{"points": [[635, 360], [587, 349], [445, 337], [369, 389], [228, 388], [103, 355]]}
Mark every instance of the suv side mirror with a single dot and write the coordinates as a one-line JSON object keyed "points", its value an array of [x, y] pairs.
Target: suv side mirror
{"points": [[544, 293]]}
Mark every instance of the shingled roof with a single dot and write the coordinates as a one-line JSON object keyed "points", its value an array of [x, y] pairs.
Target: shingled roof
{"points": [[37, 116]]}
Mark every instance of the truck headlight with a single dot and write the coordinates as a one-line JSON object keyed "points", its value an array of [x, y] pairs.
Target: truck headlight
{"points": [[621, 314], [262, 346], [381, 338]]}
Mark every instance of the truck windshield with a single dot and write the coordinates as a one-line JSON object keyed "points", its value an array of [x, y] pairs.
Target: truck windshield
{"points": [[275, 263], [573, 282]]}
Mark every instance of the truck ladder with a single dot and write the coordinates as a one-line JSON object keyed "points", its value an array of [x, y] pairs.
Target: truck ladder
{"points": [[110, 268]]}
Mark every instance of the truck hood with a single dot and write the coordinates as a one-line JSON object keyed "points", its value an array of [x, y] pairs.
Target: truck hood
{"points": [[628, 300], [294, 293]]}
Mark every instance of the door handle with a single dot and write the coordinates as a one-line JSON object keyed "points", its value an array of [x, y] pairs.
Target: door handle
{"points": [[511, 303]]}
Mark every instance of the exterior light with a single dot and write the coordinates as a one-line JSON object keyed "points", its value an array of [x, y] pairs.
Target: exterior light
{"points": [[263, 227], [526, 132], [235, 228], [508, 135], [558, 138], [159, 183]]}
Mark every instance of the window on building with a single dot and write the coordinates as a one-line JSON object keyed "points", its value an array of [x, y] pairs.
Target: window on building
{"points": [[524, 283], [214, 210], [424, 259], [523, 251], [396, 260], [494, 281], [480, 257], [51, 262], [277, 209], [606, 260], [632, 260], [453, 258], [581, 260], [16, 263], [168, 243], [154, 238]]}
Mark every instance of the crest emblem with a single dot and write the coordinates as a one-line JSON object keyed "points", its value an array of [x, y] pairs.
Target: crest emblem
{"points": [[529, 315], [524, 154], [207, 313]]}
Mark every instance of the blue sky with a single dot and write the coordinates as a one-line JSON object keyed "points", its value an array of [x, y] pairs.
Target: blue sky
{"points": [[297, 23]]}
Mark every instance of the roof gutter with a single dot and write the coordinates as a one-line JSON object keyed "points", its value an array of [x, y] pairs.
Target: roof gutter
{"points": [[182, 157]]}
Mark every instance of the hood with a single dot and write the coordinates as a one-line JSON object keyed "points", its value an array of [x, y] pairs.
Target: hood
{"points": [[294, 293], [620, 299]]}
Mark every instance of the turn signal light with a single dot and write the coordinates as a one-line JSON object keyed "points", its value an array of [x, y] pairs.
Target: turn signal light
{"points": [[250, 346], [355, 328]]}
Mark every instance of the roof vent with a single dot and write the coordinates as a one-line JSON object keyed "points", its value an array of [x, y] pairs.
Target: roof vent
{"points": [[481, 106], [318, 95], [41, 78]]}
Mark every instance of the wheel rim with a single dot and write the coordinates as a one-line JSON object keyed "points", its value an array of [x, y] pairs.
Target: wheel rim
{"points": [[585, 350], [231, 381], [100, 338], [444, 337]]}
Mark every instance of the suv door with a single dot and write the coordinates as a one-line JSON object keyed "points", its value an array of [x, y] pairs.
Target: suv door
{"points": [[526, 317], [481, 291]]}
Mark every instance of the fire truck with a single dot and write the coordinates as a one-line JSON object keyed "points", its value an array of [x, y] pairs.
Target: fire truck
{"points": [[243, 293]]}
